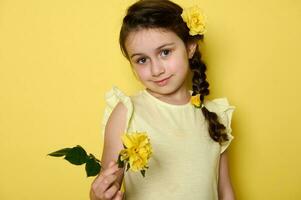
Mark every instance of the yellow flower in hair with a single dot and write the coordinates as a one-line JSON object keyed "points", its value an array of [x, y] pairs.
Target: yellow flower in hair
{"points": [[195, 20], [195, 100], [137, 151]]}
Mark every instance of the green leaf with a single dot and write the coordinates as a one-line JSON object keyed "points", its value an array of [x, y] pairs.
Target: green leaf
{"points": [[92, 167], [92, 156], [60, 153], [77, 156], [143, 173]]}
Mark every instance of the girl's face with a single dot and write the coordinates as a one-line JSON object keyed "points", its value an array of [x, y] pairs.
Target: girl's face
{"points": [[160, 59]]}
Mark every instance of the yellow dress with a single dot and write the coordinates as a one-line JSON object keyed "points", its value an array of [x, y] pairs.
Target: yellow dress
{"points": [[185, 160]]}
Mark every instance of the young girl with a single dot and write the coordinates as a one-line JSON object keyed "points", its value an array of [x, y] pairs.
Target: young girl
{"points": [[189, 160]]}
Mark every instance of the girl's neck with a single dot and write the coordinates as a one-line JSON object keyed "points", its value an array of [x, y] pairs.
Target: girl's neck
{"points": [[179, 97]]}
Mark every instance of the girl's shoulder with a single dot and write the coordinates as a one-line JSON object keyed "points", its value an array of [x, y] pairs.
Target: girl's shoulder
{"points": [[112, 98], [224, 111], [222, 108], [220, 104], [115, 95]]}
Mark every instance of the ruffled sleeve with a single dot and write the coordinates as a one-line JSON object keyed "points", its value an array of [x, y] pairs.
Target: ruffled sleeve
{"points": [[224, 110], [112, 97]]}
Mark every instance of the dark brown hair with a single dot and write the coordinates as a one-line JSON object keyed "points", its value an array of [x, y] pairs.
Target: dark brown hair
{"points": [[146, 14]]}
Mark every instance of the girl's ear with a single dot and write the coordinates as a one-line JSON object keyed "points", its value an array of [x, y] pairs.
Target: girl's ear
{"points": [[191, 47]]}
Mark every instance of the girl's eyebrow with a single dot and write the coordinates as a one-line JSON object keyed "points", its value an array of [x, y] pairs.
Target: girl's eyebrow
{"points": [[136, 54]]}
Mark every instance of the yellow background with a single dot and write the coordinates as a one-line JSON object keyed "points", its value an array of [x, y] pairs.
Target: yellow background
{"points": [[58, 57]]}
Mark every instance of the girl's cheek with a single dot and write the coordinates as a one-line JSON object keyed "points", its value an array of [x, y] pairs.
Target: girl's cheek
{"points": [[143, 73], [175, 65]]}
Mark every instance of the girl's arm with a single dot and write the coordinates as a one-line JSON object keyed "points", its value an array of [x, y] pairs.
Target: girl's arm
{"points": [[225, 190], [112, 137], [115, 127]]}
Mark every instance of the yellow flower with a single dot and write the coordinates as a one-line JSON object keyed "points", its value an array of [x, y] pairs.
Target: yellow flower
{"points": [[195, 20], [195, 100], [137, 150]]}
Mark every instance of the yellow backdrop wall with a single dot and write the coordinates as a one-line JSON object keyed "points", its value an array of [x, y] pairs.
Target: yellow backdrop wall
{"points": [[57, 58]]}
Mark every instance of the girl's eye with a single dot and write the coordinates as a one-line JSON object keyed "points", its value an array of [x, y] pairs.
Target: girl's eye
{"points": [[141, 61], [165, 52]]}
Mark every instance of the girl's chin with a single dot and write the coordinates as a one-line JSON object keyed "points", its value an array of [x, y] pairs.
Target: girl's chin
{"points": [[161, 90]]}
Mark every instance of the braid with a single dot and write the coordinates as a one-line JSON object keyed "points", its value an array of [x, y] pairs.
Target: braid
{"points": [[200, 86]]}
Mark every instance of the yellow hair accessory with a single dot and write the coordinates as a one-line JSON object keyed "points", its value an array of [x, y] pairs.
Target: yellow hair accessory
{"points": [[196, 101], [195, 20]]}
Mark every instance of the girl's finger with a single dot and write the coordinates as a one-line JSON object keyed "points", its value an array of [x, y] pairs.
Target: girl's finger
{"points": [[111, 163], [107, 172], [112, 190], [119, 195], [102, 187], [112, 168]]}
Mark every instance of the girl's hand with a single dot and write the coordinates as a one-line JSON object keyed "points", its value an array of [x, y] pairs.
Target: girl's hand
{"points": [[105, 186]]}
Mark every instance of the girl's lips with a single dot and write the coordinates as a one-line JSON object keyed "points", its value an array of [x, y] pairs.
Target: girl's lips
{"points": [[162, 82]]}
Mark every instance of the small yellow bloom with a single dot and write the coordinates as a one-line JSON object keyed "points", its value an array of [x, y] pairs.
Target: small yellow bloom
{"points": [[137, 150], [195, 100], [195, 20]]}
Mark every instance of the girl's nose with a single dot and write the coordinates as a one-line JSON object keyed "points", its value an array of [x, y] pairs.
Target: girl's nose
{"points": [[157, 68]]}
